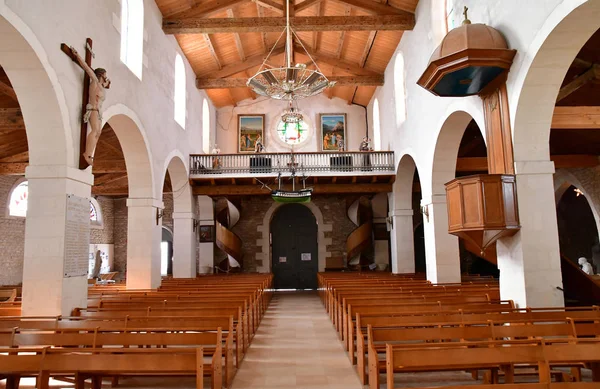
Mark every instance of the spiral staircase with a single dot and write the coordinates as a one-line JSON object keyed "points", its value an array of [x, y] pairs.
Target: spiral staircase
{"points": [[359, 244], [229, 260]]}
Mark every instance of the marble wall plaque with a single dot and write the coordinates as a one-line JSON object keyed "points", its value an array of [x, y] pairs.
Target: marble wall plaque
{"points": [[77, 237]]}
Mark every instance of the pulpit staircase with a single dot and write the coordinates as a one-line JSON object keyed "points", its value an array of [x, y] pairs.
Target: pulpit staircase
{"points": [[227, 216], [359, 244]]}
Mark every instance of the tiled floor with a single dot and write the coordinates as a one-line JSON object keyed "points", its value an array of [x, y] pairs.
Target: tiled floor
{"points": [[296, 346]]}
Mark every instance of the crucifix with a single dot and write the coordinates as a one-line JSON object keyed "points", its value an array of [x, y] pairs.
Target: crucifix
{"points": [[95, 82]]}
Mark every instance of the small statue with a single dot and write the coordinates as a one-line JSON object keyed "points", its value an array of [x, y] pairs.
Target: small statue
{"points": [[586, 267], [364, 145], [99, 82], [216, 162], [258, 146]]}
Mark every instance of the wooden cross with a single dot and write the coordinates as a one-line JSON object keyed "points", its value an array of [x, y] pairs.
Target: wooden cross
{"points": [[86, 95]]}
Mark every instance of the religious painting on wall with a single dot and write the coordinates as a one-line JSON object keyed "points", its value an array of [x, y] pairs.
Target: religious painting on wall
{"points": [[206, 234], [250, 132], [333, 131]]}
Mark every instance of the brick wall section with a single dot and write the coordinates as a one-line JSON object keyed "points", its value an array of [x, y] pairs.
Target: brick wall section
{"points": [[167, 219], [252, 212], [12, 237], [120, 236], [334, 212], [104, 235]]}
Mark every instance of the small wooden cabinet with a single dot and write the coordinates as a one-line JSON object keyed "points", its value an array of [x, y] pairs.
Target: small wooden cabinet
{"points": [[482, 208]]}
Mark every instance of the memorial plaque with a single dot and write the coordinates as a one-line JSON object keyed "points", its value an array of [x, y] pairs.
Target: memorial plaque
{"points": [[305, 257], [77, 236]]}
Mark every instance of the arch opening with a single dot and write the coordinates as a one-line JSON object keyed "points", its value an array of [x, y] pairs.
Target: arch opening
{"points": [[294, 247]]}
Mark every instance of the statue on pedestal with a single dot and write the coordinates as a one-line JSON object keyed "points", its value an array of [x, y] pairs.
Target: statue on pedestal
{"points": [[586, 267]]}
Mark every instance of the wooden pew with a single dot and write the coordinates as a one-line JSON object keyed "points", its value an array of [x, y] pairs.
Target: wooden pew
{"points": [[490, 355], [552, 331], [44, 363], [210, 342]]}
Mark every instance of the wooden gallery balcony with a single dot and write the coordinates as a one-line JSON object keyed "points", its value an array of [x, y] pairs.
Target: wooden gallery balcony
{"points": [[326, 172]]}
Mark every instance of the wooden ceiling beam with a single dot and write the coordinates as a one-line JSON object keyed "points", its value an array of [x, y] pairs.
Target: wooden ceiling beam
{"points": [[240, 67], [306, 4], [106, 179], [272, 5], [576, 118], [106, 144], [240, 190], [110, 190], [13, 168], [339, 63], [109, 166], [402, 22], [8, 91], [205, 9], [338, 52], [260, 14], [221, 83], [11, 118], [374, 7], [316, 34], [367, 49], [213, 53], [20, 157], [479, 164], [592, 73], [238, 41]]}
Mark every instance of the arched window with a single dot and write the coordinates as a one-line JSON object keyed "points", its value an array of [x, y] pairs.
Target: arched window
{"points": [[449, 15], [17, 205], [399, 90], [18, 200], [376, 126], [205, 127], [132, 35], [96, 219], [293, 134], [180, 91]]}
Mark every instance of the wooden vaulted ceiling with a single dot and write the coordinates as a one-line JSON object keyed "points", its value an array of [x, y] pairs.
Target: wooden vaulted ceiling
{"points": [[226, 41]]}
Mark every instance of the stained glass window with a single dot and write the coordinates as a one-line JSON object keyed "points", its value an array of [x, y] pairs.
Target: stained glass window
{"points": [[293, 134], [93, 213]]}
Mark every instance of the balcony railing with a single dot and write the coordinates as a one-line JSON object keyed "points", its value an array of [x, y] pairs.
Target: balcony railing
{"points": [[359, 162]]}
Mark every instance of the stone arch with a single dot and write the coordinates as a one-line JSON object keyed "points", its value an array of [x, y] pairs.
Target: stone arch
{"points": [[401, 214], [40, 94], [563, 179], [136, 150], [265, 228], [182, 191], [541, 74], [447, 144]]}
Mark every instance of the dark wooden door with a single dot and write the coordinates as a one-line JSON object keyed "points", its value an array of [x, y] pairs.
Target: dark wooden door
{"points": [[294, 248]]}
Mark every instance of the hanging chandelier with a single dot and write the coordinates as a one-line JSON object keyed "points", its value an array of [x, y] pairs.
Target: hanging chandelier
{"points": [[292, 114], [290, 82]]}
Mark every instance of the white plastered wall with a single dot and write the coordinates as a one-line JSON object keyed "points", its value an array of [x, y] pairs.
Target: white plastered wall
{"points": [[226, 133], [526, 26]]}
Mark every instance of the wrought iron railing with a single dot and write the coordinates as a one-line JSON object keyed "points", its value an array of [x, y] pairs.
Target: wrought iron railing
{"points": [[368, 162]]}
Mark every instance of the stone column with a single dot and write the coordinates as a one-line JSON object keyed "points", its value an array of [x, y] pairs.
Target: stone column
{"points": [[45, 289], [144, 235], [402, 241], [529, 261], [184, 245], [441, 248], [206, 249]]}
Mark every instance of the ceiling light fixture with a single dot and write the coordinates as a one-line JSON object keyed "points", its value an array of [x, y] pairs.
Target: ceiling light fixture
{"points": [[290, 82]]}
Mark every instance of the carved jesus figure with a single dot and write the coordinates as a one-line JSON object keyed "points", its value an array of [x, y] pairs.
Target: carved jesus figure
{"points": [[93, 111]]}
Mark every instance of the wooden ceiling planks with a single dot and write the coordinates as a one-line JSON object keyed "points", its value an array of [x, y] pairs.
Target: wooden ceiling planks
{"points": [[353, 50]]}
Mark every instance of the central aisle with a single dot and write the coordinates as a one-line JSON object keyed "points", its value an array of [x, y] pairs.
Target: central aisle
{"points": [[296, 346]]}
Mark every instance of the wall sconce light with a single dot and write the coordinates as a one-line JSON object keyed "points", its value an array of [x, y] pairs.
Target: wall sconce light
{"points": [[159, 213], [389, 222], [578, 191], [425, 212], [196, 224]]}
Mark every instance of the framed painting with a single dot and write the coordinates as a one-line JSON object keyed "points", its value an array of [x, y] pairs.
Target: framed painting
{"points": [[206, 234], [251, 130], [333, 131]]}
